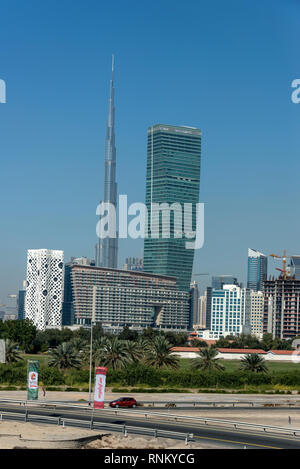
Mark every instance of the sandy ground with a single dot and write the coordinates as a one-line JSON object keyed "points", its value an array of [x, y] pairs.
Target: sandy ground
{"points": [[18, 434], [118, 442], [34, 436]]}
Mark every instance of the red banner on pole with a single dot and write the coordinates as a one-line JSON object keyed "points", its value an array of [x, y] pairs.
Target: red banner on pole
{"points": [[99, 389]]}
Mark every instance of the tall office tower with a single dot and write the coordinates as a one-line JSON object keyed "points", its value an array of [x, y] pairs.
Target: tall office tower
{"points": [[21, 301], [194, 299], [107, 248], [218, 282], [44, 287], [173, 177], [257, 269], [282, 307], [230, 311], [257, 313], [67, 307]]}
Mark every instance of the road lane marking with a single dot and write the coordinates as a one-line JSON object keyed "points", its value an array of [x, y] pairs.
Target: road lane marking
{"points": [[236, 442]]}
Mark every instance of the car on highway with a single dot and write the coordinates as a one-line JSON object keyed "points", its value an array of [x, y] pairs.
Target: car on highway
{"points": [[123, 402]]}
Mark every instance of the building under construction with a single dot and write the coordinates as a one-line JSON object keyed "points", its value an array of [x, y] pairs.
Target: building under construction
{"points": [[282, 307], [282, 300]]}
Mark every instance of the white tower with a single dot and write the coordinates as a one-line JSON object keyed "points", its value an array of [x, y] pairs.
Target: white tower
{"points": [[44, 287]]}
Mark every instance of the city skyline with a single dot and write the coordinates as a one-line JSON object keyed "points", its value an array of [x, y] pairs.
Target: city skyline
{"points": [[53, 134]]}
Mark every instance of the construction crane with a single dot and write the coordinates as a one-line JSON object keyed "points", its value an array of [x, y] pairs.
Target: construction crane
{"points": [[284, 258]]}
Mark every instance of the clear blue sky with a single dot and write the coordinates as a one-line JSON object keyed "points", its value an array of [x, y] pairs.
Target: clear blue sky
{"points": [[225, 67]]}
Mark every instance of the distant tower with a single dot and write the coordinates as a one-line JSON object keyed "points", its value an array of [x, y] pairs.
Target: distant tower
{"points": [[257, 269], [107, 248]]}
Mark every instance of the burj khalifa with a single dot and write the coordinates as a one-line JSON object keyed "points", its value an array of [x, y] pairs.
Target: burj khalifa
{"points": [[107, 247]]}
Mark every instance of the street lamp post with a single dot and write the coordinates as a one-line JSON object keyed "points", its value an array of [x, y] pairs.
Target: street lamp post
{"points": [[91, 361]]}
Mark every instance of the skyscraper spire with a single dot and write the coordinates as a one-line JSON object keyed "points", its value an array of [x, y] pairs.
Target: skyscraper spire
{"points": [[107, 248]]}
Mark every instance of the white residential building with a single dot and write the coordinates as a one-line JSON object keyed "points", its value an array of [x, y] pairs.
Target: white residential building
{"points": [[257, 313], [44, 287], [230, 311]]}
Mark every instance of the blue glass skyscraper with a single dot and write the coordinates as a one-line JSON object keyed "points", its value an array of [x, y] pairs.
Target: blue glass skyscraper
{"points": [[257, 269], [173, 178]]}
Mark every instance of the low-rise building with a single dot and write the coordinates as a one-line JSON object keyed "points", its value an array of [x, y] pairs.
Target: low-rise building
{"points": [[239, 354]]}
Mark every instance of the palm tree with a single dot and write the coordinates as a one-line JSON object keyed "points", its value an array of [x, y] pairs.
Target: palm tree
{"points": [[207, 360], [159, 354], [11, 352], [78, 344], [134, 350], [64, 356], [253, 362], [144, 343], [97, 352], [112, 353]]}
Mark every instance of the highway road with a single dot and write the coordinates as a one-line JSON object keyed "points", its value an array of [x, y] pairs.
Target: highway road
{"points": [[220, 437]]}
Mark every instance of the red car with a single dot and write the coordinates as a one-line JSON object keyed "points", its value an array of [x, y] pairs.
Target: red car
{"points": [[123, 402]]}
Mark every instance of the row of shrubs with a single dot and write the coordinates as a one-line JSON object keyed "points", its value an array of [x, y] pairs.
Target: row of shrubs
{"points": [[150, 390], [138, 374], [157, 390]]}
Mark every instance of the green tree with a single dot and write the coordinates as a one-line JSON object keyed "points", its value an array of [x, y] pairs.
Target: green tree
{"points": [[253, 362], [128, 334], [177, 339], [78, 344], [40, 343], [98, 332], [11, 352], [159, 354], [199, 343], [223, 343], [64, 356], [150, 333], [207, 360], [20, 331], [97, 352], [112, 352], [66, 334], [82, 333], [134, 350], [267, 341], [52, 337]]}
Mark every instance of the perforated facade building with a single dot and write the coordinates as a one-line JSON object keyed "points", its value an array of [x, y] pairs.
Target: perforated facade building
{"points": [[44, 287]]}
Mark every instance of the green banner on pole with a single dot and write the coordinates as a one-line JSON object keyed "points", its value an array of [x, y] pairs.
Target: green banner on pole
{"points": [[32, 380]]}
